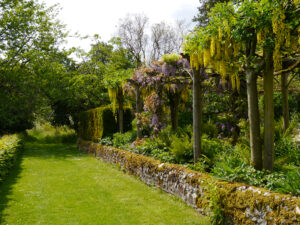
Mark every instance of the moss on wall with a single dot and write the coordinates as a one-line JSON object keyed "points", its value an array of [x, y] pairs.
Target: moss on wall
{"points": [[240, 203]]}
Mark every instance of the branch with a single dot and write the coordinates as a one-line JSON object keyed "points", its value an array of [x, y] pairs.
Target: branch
{"points": [[188, 72], [291, 80], [288, 69], [276, 80]]}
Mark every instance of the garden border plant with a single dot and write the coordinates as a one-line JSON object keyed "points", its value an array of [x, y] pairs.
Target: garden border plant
{"points": [[10, 146]]}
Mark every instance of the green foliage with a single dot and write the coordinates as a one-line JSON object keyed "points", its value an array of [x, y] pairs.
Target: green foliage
{"points": [[9, 149], [105, 141], [185, 118], [30, 36], [44, 132], [213, 149], [171, 58], [101, 122], [293, 101], [210, 129], [122, 140], [150, 147], [214, 198], [290, 184], [182, 148], [286, 152], [202, 165], [276, 181]]}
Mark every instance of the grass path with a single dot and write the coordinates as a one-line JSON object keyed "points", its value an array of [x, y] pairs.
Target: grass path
{"points": [[57, 184]]}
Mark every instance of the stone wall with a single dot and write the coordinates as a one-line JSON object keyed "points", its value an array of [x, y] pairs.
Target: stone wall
{"points": [[242, 204]]}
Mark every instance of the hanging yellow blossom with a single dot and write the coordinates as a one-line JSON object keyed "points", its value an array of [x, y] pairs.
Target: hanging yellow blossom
{"points": [[277, 57], [200, 58], [112, 94], [218, 56], [223, 71], [259, 37], [206, 58], [212, 46], [220, 34], [236, 49], [226, 49]]}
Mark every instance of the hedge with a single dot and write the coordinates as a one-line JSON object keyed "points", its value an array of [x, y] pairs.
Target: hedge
{"points": [[100, 122], [9, 149], [239, 203]]}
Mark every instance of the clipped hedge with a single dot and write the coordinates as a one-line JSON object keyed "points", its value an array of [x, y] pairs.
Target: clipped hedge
{"points": [[100, 122], [9, 148], [239, 203]]}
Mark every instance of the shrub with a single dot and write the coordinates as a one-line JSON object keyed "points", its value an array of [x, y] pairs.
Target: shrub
{"points": [[182, 148], [210, 129], [185, 118], [9, 148], [101, 122], [44, 132], [120, 140], [287, 151]]}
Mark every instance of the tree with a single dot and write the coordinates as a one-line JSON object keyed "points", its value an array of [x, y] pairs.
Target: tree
{"points": [[167, 39], [163, 40], [30, 35], [119, 69], [237, 38], [204, 9], [131, 31], [193, 42]]}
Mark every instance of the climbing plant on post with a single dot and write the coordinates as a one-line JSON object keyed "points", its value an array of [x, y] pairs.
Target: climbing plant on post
{"points": [[176, 79], [194, 47]]}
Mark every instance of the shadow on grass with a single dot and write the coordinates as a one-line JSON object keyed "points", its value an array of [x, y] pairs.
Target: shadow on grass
{"points": [[8, 183]]}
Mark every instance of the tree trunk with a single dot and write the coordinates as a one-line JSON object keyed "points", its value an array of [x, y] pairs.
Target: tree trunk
{"points": [[197, 112], [138, 110], [285, 103], [174, 102], [268, 112], [121, 110], [253, 114]]}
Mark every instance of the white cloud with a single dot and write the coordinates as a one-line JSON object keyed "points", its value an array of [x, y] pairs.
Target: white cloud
{"points": [[95, 16]]}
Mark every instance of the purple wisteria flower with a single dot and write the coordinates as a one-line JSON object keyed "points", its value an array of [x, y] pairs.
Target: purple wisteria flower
{"points": [[223, 126]]}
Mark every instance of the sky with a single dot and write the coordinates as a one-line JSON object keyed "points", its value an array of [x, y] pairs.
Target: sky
{"points": [[89, 17]]}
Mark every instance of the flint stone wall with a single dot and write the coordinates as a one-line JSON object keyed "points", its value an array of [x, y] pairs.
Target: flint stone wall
{"points": [[242, 204]]}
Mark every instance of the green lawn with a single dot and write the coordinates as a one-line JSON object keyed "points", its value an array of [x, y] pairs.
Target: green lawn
{"points": [[58, 184]]}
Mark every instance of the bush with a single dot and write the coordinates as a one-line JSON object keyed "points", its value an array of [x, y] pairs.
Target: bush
{"points": [[45, 133], [9, 148], [100, 122], [185, 118], [210, 129], [182, 148], [287, 152], [122, 140]]}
